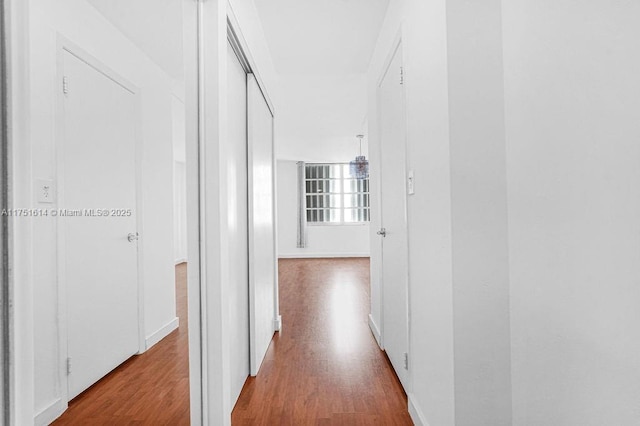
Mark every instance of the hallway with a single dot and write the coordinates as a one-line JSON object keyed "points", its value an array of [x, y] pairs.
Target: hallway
{"points": [[324, 367]]}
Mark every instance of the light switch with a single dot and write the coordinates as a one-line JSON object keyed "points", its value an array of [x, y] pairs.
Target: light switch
{"points": [[45, 191], [410, 183]]}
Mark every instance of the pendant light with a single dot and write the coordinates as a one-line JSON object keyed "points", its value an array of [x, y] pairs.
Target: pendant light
{"points": [[359, 168]]}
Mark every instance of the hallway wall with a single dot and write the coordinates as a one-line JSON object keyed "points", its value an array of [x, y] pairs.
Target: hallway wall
{"points": [[84, 26], [573, 100], [523, 227]]}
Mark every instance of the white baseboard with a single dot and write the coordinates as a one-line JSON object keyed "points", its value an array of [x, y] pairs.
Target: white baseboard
{"points": [[319, 255], [181, 260], [49, 414], [162, 333], [375, 331], [277, 323], [415, 412]]}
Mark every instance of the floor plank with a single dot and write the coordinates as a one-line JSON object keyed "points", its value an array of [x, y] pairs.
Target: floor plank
{"points": [[324, 367]]}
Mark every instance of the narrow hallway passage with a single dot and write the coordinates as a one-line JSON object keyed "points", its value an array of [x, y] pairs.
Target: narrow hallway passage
{"points": [[148, 389], [324, 367]]}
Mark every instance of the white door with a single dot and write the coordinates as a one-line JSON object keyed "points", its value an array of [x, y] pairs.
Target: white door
{"points": [[261, 225], [99, 265], [394, 220], [238, 228]]}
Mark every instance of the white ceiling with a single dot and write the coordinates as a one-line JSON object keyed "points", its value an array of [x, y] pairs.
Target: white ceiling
{"points": [[155, 26], [321, 36]]}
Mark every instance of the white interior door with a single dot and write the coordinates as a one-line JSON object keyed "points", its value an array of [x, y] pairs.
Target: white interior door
{"points": [[394, 220], [262, 254], [100, 263], [238, 226]]}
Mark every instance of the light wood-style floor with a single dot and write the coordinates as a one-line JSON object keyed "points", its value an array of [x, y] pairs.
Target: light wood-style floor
{"points": [[324, 367], [148, 389]]}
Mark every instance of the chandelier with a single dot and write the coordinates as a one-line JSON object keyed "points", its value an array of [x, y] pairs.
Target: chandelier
{"points": [[359, 168]]}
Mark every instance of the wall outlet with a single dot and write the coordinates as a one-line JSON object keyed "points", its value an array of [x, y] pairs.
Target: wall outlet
{"points": [[45, 191]]}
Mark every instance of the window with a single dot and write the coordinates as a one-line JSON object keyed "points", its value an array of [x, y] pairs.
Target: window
{"points": [[333, 196]]}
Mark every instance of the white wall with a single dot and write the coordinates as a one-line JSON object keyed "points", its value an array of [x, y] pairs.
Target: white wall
{"points": [[322, 240], [573, 95], [85, 27], [431, 393]]}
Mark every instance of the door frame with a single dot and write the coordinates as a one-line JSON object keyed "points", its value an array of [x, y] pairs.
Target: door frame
{"points": [[241, 48], [205, 50], [64, 46], [6, 390], [397, 44]]}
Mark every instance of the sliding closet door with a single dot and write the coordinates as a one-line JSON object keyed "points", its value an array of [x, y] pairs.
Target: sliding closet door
{"points": [[262, 254], [236, 145]]}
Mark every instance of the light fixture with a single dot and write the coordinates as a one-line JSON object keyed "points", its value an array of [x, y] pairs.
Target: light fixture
{"points": [[359, 168]]}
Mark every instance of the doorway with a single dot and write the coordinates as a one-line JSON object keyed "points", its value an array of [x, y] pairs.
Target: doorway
{"points": [[395, 297], [99, 255]]}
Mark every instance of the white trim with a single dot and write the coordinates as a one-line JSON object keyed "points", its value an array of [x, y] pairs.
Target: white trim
{"points": [[319, 255], [161, 333], [375, 330], [50, 413], [274, 176], [181, 260], [415, 412], [397, 41], [192, 49], [21, 237]]}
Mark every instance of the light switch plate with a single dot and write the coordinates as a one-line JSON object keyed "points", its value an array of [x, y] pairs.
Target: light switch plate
{"points": [[410, 183], [45, 191]]}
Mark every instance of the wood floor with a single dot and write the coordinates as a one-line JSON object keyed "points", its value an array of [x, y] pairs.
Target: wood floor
{"points": [[324, 367], [148, 389]]}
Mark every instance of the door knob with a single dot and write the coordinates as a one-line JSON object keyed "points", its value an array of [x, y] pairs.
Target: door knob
{"points": [[133, 236], [382, 232]]}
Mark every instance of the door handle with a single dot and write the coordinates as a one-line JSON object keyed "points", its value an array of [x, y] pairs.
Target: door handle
{"points": [[133, 236], [382, 232]]}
